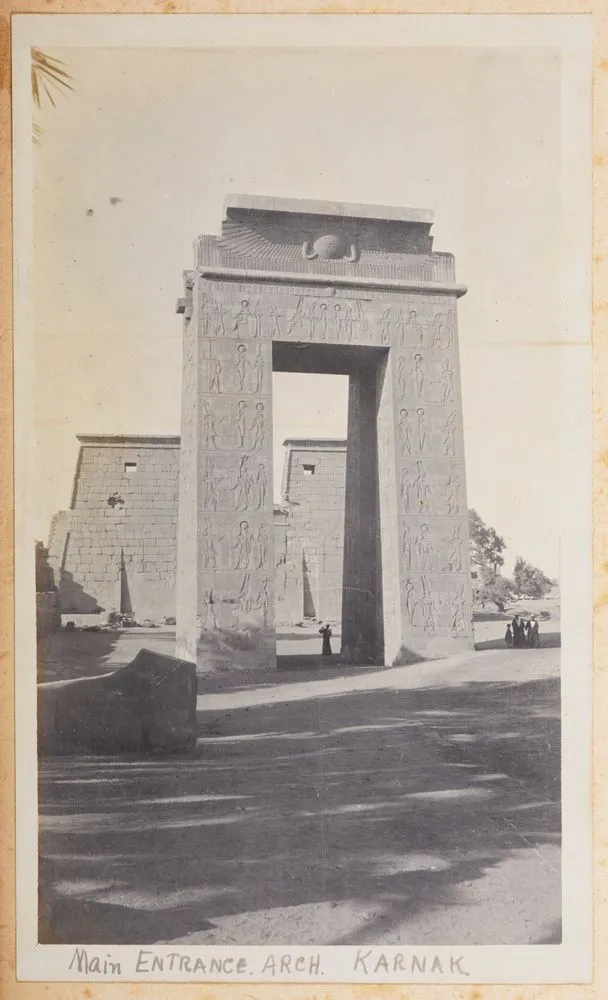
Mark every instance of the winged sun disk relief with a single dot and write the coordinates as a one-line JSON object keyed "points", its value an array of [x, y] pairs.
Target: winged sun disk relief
{"points": [[269, 242], [330, 247]]}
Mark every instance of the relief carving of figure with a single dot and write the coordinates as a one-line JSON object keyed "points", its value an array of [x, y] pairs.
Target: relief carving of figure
{"points": [[408, 485], [406, 545], [258, 429], [276, 315], [449, 436], [362, 321], [385, 321], [427, 607], [423, 430], [402, 327], [424, 493], [241, 421], [338, 320], [218, 318], [322, 322], [311, 316], [345, 324], [282, 577], [257, 370], [242, 547], [401, 377], [208, 546], [411, 326], [424, 549], [210, 436], [215, 374], [242, 604], [242, 317], [256, 324], [447, 383], [455, 550], [205, 315], [419, 332], [239, 365], [405, 432], [208, 484], [441, 336], [409, 601], [458, 611], [454, 495], [419, 375], [262, 600], [261, 482], [262, 543], [242, 487], [210, 619]]}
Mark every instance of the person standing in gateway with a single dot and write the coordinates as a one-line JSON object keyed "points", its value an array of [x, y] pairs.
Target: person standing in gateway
{"points": [[326, 632]]}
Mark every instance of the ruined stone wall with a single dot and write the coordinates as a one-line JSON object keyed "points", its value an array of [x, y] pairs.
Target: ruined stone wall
{"points": [[115, 549]]}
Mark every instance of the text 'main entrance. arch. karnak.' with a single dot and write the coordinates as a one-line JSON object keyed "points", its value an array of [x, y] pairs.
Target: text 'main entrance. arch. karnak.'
{"points": [[323, 287]]}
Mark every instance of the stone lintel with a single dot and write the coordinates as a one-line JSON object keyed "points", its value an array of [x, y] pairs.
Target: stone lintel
{"points": [[241, 203], [130, 440], [331, 280], [316, 444]]}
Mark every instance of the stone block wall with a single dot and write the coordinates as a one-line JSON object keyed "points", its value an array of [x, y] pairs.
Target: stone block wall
{"points": [[122, 555], [313, 483], [115, 549]]}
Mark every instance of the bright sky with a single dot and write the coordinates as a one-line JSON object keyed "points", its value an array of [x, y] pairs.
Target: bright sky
{"points": [[472, 134]]}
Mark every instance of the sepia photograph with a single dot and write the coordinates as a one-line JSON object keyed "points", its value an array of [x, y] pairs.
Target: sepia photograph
{"points": [[304, 498]]}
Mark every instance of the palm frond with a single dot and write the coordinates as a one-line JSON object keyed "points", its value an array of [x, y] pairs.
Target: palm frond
{"points": [[49, 63], [47, 72]]}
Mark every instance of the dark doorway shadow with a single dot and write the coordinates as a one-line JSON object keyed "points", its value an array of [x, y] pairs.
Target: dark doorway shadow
{"points": [[126, 605], [308, 600]]}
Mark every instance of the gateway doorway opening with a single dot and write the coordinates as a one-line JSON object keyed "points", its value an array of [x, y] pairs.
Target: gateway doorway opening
{"points": [[326, 531]]}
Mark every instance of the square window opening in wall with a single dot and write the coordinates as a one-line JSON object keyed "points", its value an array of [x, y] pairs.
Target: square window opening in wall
{"points": [[309, 470], [130, 468]]}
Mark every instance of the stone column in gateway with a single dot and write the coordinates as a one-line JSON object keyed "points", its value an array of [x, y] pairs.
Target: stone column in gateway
{"points": [[225, 599]]}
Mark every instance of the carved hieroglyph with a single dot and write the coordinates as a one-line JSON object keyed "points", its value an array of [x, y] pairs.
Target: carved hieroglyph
{"points": [[328, 315], [234, 424]]}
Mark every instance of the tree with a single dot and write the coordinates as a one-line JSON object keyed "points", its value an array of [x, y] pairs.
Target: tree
{"points": [[494, 588], [499, 591], [486, 544], [529, 581]]}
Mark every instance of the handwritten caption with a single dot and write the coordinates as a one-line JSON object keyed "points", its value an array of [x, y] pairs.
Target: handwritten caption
{"points": [[361, 963]]}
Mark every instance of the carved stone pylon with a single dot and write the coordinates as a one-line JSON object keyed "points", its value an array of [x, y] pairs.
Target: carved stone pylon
{"points": [[358, 290]]}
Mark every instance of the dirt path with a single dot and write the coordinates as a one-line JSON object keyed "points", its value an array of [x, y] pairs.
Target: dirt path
{"points": [[413, 805]]}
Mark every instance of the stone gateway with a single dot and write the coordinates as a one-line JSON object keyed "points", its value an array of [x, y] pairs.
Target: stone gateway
{"points": [[328, 288]]}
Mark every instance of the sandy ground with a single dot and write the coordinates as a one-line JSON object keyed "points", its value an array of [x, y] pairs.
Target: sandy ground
{"points": [[410, 805]]}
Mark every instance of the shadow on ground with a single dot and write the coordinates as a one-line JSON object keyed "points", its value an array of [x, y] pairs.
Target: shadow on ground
{"points": [[395, 798], [65, 655], [548, 640]]}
